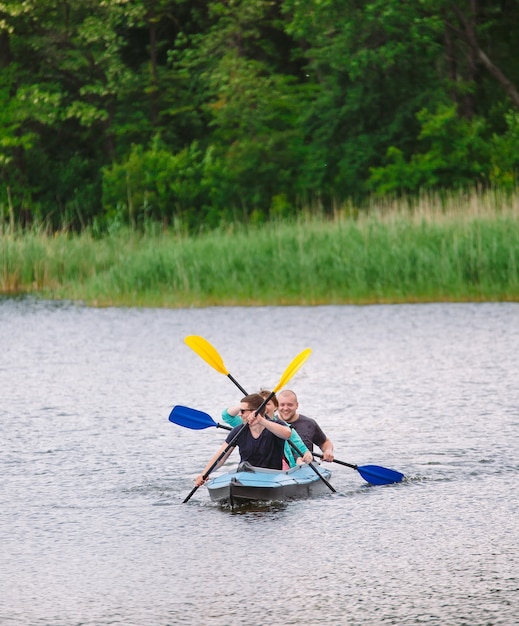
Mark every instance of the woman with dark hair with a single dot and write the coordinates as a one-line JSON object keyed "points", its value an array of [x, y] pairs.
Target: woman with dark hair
{"points": [[261, 443]]}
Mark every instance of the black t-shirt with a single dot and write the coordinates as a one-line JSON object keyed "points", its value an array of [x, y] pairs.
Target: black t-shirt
{"points": [[309, 431], [265, 451]]}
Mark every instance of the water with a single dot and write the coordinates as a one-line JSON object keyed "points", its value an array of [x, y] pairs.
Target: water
{"points": [[92, 525]]}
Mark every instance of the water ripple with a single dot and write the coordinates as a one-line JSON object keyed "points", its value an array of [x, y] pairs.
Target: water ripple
{"points": [[94, 528]]}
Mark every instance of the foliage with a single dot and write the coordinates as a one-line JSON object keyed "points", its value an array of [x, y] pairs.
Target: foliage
{"points": [[454, 152], [153, 185], [448, 248], [263, 107], [505, 153]]}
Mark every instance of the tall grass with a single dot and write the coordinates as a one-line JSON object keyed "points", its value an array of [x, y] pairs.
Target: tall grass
{"points": [[459, 248]]}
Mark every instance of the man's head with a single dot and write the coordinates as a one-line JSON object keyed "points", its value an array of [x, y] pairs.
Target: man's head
{"points": [[287, 407]]}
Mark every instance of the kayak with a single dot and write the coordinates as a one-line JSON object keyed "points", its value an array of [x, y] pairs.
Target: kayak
{"points": [[248, 483]]}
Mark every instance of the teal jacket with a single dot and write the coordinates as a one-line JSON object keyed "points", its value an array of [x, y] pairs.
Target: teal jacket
{"points": [[290, 455]]}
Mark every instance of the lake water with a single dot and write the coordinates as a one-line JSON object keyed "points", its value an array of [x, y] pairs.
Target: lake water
{"points": [[92, 525]]}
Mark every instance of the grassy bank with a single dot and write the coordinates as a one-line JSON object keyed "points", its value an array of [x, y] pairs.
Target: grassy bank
{"points": [[464, 248]]}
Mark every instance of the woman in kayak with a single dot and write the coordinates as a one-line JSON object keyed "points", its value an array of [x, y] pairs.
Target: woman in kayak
{"points": [[261, 443]]}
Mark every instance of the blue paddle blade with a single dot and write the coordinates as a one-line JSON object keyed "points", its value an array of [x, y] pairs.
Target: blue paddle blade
{"points": [[376, 475], [191, 418]]}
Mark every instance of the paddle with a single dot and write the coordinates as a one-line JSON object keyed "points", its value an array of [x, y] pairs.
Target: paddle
{"points": [[210, 355], [290, 371], [197, 420], [204, 349], [373, 474], [194, 419]]}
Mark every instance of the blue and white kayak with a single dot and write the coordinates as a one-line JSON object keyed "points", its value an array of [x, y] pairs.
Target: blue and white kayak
{"points": [[248, 483]]}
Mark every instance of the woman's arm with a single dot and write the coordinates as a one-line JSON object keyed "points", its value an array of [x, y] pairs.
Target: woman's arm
{"points": [[280, 430], [200, 480], [301, 447], [231, 416]]}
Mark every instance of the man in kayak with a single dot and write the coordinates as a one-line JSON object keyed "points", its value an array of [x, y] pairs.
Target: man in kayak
{"points": [[291, 455], [307, 428], [261, 443]]}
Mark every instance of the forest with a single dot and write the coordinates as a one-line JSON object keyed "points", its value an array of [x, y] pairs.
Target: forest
{"points": [[197, 113]]}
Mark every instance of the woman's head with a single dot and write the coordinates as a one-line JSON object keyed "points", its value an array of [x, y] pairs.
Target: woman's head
{"points": [[272, 404], [252, 402]]}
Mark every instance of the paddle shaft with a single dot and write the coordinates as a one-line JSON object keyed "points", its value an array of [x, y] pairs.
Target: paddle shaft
{"points": [[337, 461], [296, 449], [237, 384]]}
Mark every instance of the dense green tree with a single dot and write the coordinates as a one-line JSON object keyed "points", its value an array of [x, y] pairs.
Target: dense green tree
{"points": [[203, 111], [242, 64], [374, 64], [161, 97], [65, 56]]}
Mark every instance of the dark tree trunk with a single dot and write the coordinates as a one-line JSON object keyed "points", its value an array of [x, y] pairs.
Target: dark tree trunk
{"points": [[152, 21], [469, 34], [5, 50]]}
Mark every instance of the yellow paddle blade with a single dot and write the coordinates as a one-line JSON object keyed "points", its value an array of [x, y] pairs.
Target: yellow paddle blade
{"points": [[205, 350], [292, 368]]}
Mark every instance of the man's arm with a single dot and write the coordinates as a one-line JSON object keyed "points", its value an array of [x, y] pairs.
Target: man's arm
{"points": [[327, 450]]}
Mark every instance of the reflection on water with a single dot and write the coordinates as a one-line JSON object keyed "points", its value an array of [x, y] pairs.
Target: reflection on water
{"points": [[93, 527]]}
